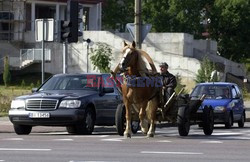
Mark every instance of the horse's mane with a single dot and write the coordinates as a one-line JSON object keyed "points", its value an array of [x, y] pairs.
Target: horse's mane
{"points": [[143, 60]]}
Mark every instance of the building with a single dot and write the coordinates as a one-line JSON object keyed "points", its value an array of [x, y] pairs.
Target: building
{"points": [[17, 40]]}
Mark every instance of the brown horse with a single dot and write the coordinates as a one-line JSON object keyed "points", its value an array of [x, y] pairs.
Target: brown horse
{"points": [[145, 98]]}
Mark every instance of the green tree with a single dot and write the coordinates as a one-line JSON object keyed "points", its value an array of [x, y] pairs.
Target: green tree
{"points": [[101, 57], [117, 13], [230, 27], [6, 72], [204, 73]]}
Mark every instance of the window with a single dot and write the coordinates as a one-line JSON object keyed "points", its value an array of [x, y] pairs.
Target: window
{"points": [[234, 93]]}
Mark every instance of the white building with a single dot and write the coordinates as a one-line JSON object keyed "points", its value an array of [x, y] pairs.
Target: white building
{"points": [[17, 40]]}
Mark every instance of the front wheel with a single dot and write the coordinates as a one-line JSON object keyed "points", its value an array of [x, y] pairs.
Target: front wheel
{"points": [[229, 122], [22, 129], [208, 120], [86, 126], [183, 121], [241, 122]]}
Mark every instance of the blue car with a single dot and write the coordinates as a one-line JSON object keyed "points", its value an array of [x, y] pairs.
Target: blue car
{"points": [[225, 99]]}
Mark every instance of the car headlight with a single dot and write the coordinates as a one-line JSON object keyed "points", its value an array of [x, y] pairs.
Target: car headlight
{"points": [[70, 103], [17, 104], [219, 109]]}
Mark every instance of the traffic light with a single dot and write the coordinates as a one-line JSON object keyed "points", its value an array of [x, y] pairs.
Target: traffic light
{"points": [[69, 30], [73, 16], [65, 30]]}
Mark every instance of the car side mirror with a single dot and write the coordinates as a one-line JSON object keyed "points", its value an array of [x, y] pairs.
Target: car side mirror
{"points": [[34, 90], [108, 90]]}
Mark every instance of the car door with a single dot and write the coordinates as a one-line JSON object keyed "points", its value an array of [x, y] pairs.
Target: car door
{"points": [[108, 101], [240, 102], [237, 104]]}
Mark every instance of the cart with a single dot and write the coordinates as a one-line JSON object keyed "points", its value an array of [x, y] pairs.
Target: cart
{"points": [[179, 109]]}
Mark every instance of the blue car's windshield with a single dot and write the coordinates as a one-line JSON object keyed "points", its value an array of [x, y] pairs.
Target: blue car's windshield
{"points": [[70, 83], [212, 91]]}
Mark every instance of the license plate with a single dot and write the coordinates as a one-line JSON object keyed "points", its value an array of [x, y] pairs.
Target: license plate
{"points": [[39, 115]]}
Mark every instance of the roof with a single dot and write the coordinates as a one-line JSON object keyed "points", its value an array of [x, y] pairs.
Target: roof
{"points": [[217, 83]]}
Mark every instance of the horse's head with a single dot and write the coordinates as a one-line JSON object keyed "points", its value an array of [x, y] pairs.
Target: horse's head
{"points": [[130, 56]]}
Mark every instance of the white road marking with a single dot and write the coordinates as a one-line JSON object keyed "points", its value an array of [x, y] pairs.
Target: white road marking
{"points": [[13, 139], [27, 149], [2, 160], [67, 139], [93, 136], [165, 141], [113, 139], [211, 142], [232, 133], [176, 153]]}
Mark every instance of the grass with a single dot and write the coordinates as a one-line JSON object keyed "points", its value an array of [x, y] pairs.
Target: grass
{"points": [[9, 93]]}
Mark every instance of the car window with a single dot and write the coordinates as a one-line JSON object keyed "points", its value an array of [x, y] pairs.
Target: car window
{"points": [[69, 83], [212, 91], [238, 91], [234, 93]]}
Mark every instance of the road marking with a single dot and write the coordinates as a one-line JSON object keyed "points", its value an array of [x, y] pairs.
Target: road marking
{"points": [[176, 153], [93, 136], [2, 160], [211, 142], [232, 133], [67, 139], [166, 141], [18, 149], [113, 139], [13, 139]]}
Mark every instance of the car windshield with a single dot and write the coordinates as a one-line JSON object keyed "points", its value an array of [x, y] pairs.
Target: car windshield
{"points": [[212, 91], [70, 83]]}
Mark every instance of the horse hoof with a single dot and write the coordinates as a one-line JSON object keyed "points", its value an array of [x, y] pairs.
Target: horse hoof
{"points": [[127, 135], [150, 135]]}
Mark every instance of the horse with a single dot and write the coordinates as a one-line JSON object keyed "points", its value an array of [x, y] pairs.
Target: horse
{"points": [[145, 98]]}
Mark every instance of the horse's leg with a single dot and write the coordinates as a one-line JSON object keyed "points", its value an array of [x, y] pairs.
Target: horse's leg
{"points": [[153, 104], [127, 133], [143, 121]]}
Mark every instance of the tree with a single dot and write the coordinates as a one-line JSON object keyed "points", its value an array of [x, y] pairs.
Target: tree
{"points": [[230, 27], [116, 14], [6, 72], [205, 71], [101, 57]]}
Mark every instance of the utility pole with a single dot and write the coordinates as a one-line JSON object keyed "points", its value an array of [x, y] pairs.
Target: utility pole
{"points": [[138, 23], [43, 55]]}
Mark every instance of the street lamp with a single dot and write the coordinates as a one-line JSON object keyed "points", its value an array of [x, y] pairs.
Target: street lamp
{"points": [[89, 43]]}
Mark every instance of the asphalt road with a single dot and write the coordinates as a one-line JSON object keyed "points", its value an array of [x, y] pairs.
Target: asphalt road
{"points": [[105, 145]]}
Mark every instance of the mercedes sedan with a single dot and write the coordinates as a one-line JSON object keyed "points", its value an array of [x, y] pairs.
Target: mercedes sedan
{"points": [[76, 101]]}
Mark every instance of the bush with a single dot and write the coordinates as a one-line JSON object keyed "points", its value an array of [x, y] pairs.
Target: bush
{"points": [[179, 85], [6, 72], [23, 84], [38, 83], [101, 57], [32, 85], [205, 71]]}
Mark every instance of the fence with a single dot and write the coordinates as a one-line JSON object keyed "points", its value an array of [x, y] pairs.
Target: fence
{"points": [[34, 54]]}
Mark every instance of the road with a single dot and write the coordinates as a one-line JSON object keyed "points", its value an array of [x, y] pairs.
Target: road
{"points": [[54, 144]]}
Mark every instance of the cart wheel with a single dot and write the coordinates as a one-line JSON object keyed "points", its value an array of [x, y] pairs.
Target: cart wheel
{"points": [[120, 121], [208, 120], [183, 121]]}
